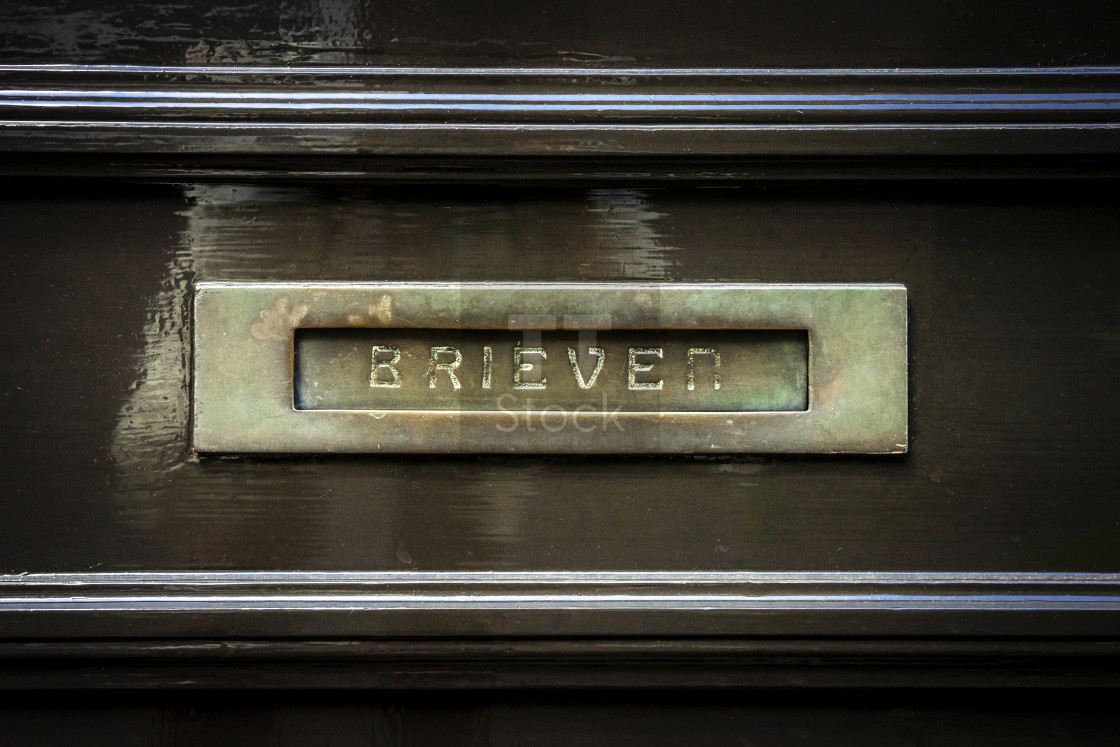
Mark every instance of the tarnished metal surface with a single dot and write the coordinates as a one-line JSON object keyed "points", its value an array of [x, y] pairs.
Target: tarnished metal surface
{"points": [[245, 376], [565, 371]]}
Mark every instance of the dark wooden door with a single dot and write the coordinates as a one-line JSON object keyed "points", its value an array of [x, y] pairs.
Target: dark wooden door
{"points": [[967, 152]]}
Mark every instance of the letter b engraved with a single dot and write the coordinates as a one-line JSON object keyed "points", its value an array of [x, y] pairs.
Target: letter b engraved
{"points": [[389, 365]]}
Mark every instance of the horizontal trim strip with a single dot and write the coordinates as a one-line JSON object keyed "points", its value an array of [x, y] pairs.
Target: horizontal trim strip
{"points": [[512, 112], [549, 71], [522, 602], [629, 578], [613, 127], [376, 100], [237, 107], [464, 604]]}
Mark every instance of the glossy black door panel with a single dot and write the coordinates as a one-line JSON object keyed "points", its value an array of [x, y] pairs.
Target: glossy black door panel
{"points": [[967, 152], [1013, 414]]}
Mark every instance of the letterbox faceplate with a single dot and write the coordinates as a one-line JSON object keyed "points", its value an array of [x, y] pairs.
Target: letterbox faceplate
{"points": [[549, 368]]}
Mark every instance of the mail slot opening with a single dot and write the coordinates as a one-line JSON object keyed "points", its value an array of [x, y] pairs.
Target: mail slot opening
{"points": [[528, 370]]}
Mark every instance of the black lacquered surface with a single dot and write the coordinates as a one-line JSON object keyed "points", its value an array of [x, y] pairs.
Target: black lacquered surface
{"points": [[1013, 413], [960, 565], [801, 33]]}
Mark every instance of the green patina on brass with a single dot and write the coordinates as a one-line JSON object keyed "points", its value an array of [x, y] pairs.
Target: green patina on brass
{"points": [[756, 370], [550, 368]]}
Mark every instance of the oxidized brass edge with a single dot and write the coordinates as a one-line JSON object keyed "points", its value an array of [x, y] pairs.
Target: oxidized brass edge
{"points": [[243, 368]]}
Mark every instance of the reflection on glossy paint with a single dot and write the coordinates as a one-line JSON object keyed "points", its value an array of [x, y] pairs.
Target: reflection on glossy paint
{"points": [[627, 227], [81, 264], [493, 515], [151, 432], [154, 466], [801, 34], [296, 233]]}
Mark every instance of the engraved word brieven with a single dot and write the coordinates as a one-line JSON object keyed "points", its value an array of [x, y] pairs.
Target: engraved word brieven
{"points": [[528, 363]]}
